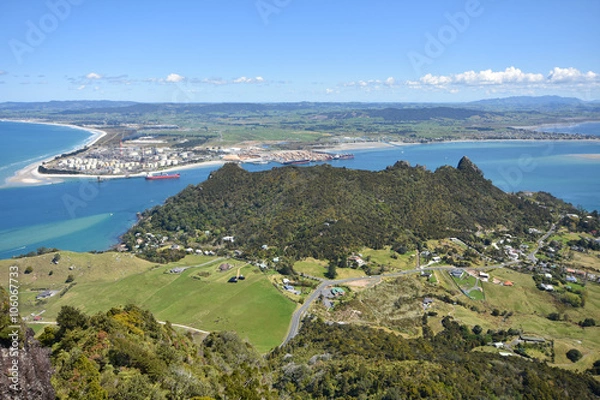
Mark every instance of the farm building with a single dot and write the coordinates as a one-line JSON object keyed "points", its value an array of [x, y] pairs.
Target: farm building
{"points": [[225, 267], [457, 273]]}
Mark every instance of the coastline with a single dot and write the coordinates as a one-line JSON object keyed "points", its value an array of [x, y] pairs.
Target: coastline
{"points": [[29, 175], [539, 128]]}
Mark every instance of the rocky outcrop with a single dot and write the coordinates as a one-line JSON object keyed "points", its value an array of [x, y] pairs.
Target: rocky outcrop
{"points": [[25, 367]]}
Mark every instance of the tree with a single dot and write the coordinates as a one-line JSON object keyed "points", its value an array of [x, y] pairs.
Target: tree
{"points": [[554, 316], [332, 270], [595, 370], [28, 270], [477, 329], [587, 322], [574, 355], [69, 318], [56, 258], [70, 278]]}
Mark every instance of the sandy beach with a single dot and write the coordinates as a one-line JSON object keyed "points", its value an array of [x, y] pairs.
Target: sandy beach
{"points": [[565, 124], [30, 175]]}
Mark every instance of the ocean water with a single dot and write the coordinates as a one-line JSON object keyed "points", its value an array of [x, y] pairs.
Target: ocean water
{"points": [[84, 215], [586, 128], [25, 143]]}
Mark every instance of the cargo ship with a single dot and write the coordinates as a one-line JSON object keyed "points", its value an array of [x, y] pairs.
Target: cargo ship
{"points": [[162, 176], [296, 162]]}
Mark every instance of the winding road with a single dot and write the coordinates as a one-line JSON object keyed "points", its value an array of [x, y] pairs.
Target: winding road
{"points": [[299, 313]]}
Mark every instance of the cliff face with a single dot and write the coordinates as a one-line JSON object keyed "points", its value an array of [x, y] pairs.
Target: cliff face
{"points": [[29, 378]]}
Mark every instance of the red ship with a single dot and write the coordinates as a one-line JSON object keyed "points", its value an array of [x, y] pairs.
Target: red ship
{"points": [[162, 176]]}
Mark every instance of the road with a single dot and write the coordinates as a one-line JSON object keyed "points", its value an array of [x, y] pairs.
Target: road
{"points": [[540, 243], [299, 313]]}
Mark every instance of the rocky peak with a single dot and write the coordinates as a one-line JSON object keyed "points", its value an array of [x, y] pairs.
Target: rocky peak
{"points": [[465, 164]]}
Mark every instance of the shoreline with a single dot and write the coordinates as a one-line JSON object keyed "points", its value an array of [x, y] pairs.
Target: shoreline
{"points": [[539, 128], [29, 175]]}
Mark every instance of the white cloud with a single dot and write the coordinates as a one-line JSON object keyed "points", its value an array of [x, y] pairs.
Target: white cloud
{"points": [[81, 87], [571, 75], [93, 75], [511, 76], [175, 78], [243, 79], [3, 72]]}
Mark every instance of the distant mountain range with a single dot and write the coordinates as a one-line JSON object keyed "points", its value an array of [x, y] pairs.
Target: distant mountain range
{"points": [[109, 106]]}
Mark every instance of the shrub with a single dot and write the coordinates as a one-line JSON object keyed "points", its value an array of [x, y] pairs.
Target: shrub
{"points": [[587, 322], [554, 316], [70, 278], [574, 355], [28, 270]]}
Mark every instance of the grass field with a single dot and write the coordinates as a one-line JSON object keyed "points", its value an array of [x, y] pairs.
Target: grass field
{"points": [[384, 257], [530, 307], [318, 268], [253, 308]]}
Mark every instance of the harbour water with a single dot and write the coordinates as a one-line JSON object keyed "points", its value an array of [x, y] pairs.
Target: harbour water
{"points": [[85, 215]]}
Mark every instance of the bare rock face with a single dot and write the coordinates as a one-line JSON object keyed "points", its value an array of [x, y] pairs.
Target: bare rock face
{"points": [[25, 367], [34, 371], [465, 164]]}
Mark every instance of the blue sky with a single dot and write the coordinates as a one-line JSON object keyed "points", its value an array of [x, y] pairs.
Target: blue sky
{"points": [[293, 50]]}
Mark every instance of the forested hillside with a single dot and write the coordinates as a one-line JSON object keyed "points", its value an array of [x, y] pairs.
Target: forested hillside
{"points": [[325, 212], [126, 354]]}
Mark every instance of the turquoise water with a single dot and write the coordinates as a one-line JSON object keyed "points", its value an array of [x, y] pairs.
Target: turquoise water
{"points": [[25, 143], [84, 215]]}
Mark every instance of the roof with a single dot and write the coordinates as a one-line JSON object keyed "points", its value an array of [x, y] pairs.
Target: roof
{"points": [[337, 290]]}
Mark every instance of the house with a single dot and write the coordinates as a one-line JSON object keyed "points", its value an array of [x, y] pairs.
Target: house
{"points": [[285, 281], [427, 301], [289, 288], [356, 259], [508, 283], [498, 345], [225, 267], [457, 273], [532, 339], [548, 276], [337, 292], [436, 259], [44, 295], [177, 270], [546, 287], [484, 275], [229, 239], [571, 278], [426, 274]]}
